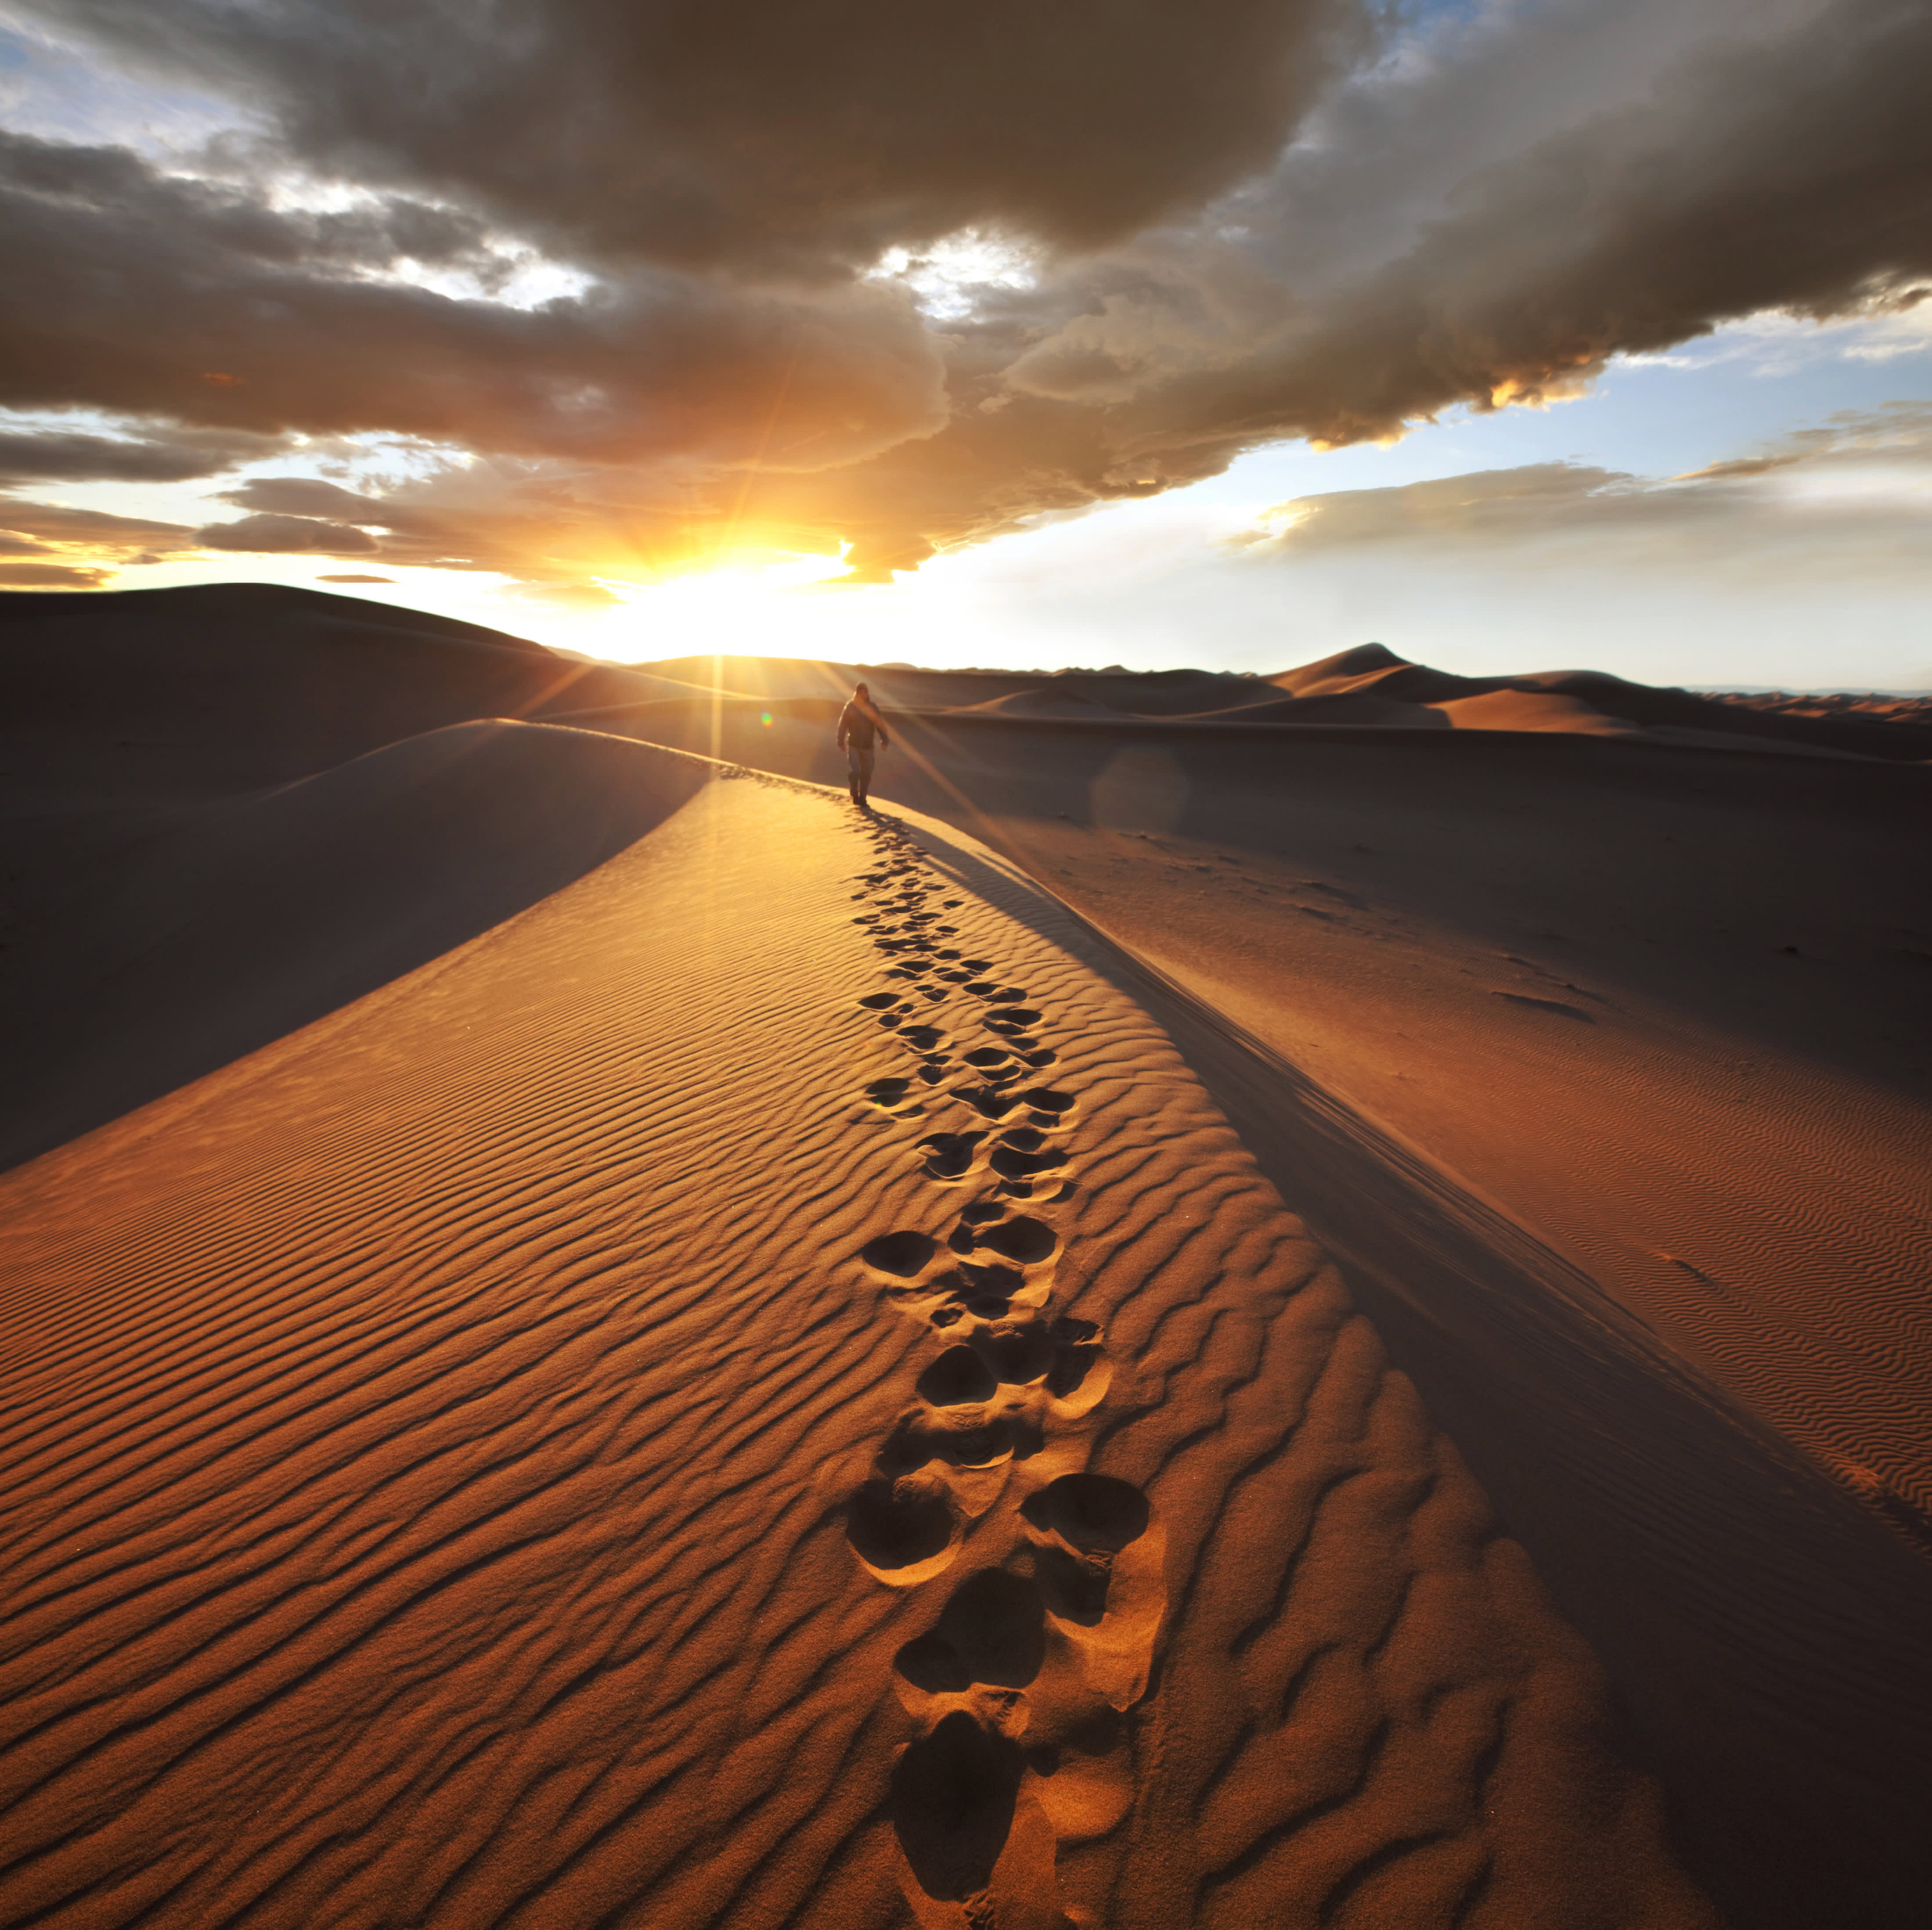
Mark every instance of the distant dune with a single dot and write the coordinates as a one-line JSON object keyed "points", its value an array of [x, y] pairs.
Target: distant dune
{"points": [[1295, 1300]]}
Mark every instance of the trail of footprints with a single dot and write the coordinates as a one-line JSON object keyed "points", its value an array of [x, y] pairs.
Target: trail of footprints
{"points": [[1020, 1686]]}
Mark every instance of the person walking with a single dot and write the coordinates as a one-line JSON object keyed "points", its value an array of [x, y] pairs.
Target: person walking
{"points": [[859, 724]]}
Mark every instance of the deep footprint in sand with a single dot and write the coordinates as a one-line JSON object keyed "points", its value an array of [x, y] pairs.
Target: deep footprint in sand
{"points": [[949, 1155], [977, 1849], [1099, 1560], [958, 1378], [900, 1255], [1049, 1103], [1023, 1153], [986, 1101], [1026, 1242], [1010, 1019], [904, 1532]]}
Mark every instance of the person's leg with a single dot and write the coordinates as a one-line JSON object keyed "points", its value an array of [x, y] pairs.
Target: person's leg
{"points": [[852, 754], [864, 778]]}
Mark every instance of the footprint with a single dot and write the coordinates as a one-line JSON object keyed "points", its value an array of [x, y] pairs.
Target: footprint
{"points": [[902, 1255], [989, 1291], [905, 1531], [949, 1155], [879, 1002], [1026, 1242], [1078, 1380], [958, 1378], [925, 1037], [986, 1101], [1046, 1099], [992, 1632], [971, 1678], [888, 1093], [952, 1801], [1099, 1558], [1010, 1019], [1019, 1356], [1023, 1153], [1091, 1513]]}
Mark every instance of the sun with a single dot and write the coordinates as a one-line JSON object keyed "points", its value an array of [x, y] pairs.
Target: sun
{"points": [[727, 577], [738, 605]]}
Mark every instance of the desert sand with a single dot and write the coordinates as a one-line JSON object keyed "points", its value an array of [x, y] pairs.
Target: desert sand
{"points": [[1293, 1302]]}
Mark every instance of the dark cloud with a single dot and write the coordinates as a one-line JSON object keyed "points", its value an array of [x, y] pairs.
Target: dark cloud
{"points": [[736, 133], [303, 495], [520, 519], [1792, 173], [151, 295], [76, 456], [1796, 174], [63, 525], [1237, 237], [285, 535]]}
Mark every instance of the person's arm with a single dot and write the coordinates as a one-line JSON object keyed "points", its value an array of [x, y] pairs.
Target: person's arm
{"points": [[845, 724], [885, 742]]}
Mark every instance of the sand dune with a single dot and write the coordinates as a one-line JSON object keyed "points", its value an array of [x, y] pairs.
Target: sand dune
{"points": [[629, 1345], [436, 1484], [248, 918]]}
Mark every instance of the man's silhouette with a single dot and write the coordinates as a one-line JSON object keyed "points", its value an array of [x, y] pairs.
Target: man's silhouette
{"points": [[859, 724]]}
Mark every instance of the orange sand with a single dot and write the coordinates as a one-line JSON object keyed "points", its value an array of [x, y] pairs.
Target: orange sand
{"points": [[596, 1338]]}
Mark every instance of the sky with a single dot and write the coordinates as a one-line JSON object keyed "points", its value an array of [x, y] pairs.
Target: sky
{"points": [[1513, 334]]}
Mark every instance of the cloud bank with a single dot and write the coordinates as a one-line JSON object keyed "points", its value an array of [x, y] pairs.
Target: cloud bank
{"points": [[1211, 227], [1774, 513]]}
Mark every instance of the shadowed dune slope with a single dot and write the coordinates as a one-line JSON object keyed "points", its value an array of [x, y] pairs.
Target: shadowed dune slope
{"points": [[1764, 1633], [759, 1391], [228, 685], [248, 919]]}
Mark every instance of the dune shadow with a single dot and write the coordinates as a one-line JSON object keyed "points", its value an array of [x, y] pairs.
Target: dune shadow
{"points": [[254, 917], [1763, 1634]]}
